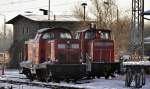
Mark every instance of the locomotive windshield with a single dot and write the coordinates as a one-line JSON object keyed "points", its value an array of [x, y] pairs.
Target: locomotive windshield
{"points": [[97, 35], [65, 35], [48, 36], [104, 35], [56, 35], [77, 35]]}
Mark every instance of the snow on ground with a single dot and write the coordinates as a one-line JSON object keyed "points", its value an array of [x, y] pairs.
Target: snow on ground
{"points": [[110, 84], [145, 63], [13, 74], [114, 83], [20, 86]]}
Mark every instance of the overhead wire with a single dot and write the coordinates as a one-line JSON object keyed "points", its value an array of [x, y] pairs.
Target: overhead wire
{"points": [[33, 9], [10, 11], [27, 1], [16, 2], [28, 9], [57, 5]]}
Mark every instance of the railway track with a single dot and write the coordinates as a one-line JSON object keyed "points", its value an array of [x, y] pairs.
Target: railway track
{"points": [[42, 84]]}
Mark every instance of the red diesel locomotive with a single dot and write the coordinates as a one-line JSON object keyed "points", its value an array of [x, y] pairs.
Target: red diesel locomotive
{"points": [[53, 54], [97, 49]]}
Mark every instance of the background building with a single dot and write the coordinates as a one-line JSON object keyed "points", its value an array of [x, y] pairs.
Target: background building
{"points": [[26, 26]]}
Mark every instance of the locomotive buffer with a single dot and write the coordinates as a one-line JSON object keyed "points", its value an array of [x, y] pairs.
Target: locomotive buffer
{"points": [[136, 65]]}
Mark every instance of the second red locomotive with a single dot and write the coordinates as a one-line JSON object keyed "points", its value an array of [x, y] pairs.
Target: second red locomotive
{"points": [[97, 49]]}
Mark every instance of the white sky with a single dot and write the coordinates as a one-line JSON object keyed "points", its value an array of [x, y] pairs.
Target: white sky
{"points": [[127, 3], [12, 8]]}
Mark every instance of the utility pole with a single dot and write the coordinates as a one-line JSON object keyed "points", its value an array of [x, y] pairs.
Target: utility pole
{"points": [[117, 14], [49, 7], [137, 29], [84, 5]]}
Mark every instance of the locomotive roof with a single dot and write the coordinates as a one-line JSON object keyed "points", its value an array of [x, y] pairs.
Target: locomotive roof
{"points": [[88, 29], [48, 29]]}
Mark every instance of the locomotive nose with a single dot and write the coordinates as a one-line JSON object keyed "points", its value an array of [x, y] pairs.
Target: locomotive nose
{"points": [[103, 51], [68, 51]]}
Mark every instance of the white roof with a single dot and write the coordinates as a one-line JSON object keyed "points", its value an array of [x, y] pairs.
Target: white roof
{"points": [[147, 40], [52, 17], [147, 12]]}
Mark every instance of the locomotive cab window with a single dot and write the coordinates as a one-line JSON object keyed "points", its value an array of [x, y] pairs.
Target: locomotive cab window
{"points": [[47, 36], [104, 35], [37, 37], [77, 36], [65, 35], [97, 35]]}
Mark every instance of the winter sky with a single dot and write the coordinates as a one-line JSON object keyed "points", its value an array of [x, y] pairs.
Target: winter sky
{"points": [[11, 8]]}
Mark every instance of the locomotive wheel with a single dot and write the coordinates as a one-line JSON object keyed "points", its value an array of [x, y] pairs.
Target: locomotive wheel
{"points": [[74, 80], [55, 80], [43, 79], [98, 76], [143, 80], [27, 72], [42, 75], [67, 80], [48, 79], [27, 75], [30, 76], [107, 76], [21, 70], [143, 77], [89, 75], [48, 76], [112, 75], [93, 77], [128, 79], [138, 80]]}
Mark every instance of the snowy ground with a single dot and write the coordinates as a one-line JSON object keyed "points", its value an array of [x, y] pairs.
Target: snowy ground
{"points": [[7, 86], [115, 83]]}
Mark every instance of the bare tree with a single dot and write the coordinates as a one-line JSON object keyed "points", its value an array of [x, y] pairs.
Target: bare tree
{"points": [[102, 10], [78, 12], [105, 13], [6, 43], [121, 33]]}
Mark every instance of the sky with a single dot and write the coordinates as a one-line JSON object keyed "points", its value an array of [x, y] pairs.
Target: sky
{"points": [[11, 8]]}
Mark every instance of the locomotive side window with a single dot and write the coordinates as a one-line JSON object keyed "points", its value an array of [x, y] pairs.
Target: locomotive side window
{"points": [[96, 35], [48, 36], [37, 37], [65, 35], [77, 36]]}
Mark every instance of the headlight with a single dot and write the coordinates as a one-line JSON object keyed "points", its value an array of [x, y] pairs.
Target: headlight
{"points": [[61, 46], [81, 60], [75, 46], [103, 44]]}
